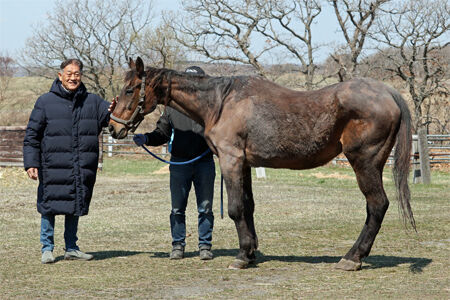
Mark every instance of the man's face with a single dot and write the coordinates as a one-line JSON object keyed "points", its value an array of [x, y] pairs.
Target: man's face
{"points": [[70, 77]]}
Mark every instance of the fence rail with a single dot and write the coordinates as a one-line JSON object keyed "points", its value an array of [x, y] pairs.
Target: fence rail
{"points": [[11, 145], [112, 147]]}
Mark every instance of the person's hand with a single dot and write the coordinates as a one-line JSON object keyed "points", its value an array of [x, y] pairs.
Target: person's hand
{"points": [[140, 139], [32, 173], [113, 104]]}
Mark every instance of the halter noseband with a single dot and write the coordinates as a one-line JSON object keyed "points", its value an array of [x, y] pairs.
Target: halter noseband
{"points": [[138, 111]]}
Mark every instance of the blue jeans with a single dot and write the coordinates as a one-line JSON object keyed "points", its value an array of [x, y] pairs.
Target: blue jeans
{"points": [[202, 174], [48, 232]]}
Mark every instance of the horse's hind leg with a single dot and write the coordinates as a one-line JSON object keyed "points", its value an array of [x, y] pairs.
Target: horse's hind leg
{"points": [[242, 213], [368, 166], [240, 208]]}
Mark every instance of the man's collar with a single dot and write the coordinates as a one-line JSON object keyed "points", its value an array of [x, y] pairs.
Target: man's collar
{"points": [[70, 92]]}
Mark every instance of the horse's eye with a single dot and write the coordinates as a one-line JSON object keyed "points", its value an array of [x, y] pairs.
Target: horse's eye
{"points": [[129, 92]]}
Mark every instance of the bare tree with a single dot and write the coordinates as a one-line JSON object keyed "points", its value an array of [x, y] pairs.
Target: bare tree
{"points": [[289, 25], [221, 30], [100, 33], [416, 33], [7, 70], [248, 32], [160, 48], [355, 18]]}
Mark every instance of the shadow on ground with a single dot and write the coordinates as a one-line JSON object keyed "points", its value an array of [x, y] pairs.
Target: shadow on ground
{"points": [[372, 262], [101, 255], [417, 264]]}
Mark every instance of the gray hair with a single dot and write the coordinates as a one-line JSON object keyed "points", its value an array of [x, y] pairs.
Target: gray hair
{"points": [[70, 61]]}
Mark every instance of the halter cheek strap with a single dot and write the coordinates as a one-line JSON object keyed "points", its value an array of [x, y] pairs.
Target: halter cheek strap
{"points": [[138, 111]]}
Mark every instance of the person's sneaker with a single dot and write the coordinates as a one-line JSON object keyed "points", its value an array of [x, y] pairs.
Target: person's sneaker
{"points": [[77, 255], [205, 253], [47, 257], [177, 252]]}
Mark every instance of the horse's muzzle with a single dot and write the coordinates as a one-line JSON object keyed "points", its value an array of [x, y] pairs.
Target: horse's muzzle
{"points": [[122, 133]]}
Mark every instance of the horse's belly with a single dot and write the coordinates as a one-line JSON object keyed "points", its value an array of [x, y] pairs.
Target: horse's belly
{"points": [[293, 159], [287, 164]]}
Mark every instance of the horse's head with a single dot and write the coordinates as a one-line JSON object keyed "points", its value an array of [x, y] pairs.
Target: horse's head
{"points": [[136, 99]]}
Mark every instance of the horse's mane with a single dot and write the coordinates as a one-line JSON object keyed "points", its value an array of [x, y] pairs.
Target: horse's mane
{"points": [[213, 89]]}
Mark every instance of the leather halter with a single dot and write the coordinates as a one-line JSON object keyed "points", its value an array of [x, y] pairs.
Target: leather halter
{"points": [[139, 111]]}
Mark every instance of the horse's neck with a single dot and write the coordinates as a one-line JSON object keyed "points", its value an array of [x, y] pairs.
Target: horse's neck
{"points": [[194, 116], [186, 97]]}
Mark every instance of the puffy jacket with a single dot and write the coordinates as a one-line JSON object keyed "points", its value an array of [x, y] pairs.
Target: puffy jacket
{"points": [[61, 140], [188, 140]]}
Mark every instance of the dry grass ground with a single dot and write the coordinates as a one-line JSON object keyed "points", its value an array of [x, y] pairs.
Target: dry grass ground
{"points": [[305, 220], [19, 99]]}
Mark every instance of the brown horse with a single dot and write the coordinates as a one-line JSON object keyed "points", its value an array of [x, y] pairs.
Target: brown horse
{"points": [[252, 122]]}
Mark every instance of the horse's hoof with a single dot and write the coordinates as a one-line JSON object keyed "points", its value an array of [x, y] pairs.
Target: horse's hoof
{"points": [[238, 264], [348, 265]]}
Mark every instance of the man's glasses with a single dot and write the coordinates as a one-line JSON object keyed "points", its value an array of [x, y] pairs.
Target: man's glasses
{"points": [[76, 75]]}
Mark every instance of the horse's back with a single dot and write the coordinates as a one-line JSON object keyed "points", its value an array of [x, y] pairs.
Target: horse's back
{"points": [[283, 128], [294, 129]]}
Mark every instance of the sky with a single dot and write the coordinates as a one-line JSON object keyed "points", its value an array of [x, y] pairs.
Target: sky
{"points": [[16, 19], [19, 17]]}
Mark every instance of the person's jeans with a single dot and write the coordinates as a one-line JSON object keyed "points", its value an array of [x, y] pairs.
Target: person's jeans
{"points": [[48, 232], [202, 173]]}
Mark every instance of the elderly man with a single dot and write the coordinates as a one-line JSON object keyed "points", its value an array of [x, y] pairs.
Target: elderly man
{"points": [[61, 150]]}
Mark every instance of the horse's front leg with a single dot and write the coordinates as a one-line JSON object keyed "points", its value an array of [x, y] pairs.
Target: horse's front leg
{"points": [[241, 206]]}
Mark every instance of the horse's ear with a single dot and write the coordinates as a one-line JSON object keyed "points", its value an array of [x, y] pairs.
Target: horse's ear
{"points": [[131, 63], [139, 66]]}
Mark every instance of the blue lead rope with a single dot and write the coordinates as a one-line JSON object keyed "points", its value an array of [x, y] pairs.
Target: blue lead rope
{"points": [[188, 162], [177, 162]]}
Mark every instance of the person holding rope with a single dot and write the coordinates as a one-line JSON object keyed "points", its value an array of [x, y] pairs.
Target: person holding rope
{"points": [[186, 141], [61, 149]]}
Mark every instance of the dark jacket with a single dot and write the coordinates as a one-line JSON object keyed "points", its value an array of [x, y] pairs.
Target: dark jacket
{"points": [[61, 140], [188, 140]]}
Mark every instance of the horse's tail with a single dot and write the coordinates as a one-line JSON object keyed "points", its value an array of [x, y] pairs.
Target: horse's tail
{"points": [[402, 161]]}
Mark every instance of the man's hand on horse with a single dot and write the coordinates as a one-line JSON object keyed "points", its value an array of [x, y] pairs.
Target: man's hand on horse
{"points": [[32, 173], [140, 139], [113, 104]]}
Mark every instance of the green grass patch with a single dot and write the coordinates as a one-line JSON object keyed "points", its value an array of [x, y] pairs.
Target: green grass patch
{"points": [[137, 165]]}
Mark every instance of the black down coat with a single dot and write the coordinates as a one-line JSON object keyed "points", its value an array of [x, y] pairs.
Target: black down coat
{"points": [[61, 140]]}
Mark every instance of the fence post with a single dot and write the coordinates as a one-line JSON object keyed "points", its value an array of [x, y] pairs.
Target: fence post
{"points": [[110, 147], [260, 173], [100, 154], [424, 157], [416, 166]]}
